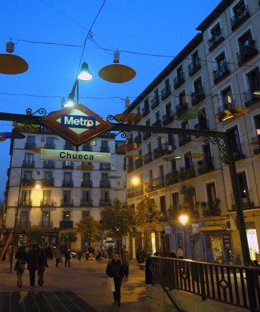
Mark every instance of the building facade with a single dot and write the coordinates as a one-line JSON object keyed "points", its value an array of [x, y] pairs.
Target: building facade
{"points": [[55, 195], [209, 85]]}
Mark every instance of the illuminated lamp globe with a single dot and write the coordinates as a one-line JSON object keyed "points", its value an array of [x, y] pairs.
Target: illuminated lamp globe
{"points": [[85, 74], [183, 219]]}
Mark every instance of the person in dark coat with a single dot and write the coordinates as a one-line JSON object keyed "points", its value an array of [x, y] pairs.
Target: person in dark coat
{"points": [[33, 262], [67, 256], [20, 257], [116, 270], [41, 265]]}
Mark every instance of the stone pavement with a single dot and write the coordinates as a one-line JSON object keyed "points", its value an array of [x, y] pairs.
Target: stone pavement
{"points": [[81, 288]]}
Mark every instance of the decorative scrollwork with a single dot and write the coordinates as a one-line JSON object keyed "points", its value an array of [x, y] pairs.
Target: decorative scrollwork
{"points": [[111, 118], [221, 146], [41, 111]]}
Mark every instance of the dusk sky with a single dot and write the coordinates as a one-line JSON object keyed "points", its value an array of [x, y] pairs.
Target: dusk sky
{"points": [[50, 35]]}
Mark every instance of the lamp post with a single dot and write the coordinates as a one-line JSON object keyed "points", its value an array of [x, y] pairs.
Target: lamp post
{"points": [[184, 220], [83, 75]]}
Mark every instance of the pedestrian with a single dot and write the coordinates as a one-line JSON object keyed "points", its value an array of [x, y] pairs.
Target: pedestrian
{"points": [[19, 267], [116, 270], [67, 256], [42, 264], [79, 255], [125, 262], [57, 255], [33, 262]]}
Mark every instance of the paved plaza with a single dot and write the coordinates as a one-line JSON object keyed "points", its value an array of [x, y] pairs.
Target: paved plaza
{"points": [[81, 288]]}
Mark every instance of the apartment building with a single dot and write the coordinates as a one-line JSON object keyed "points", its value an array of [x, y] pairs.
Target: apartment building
{"points": [[214, 76], [54, 194]]}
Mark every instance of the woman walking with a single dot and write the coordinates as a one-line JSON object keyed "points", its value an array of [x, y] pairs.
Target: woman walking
{"points": [[116, 270], [19, 267]]}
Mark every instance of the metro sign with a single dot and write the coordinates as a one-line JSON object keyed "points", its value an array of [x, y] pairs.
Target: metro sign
{"points": [[77, 125]]}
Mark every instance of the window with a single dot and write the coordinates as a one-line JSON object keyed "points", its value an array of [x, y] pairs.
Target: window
{"points": [[175, 202], [221, 62], [188, 160], [161, 171], [67, 177], [242, 181], [25, 199], [68, 146], [157, 116], [66, 215], [104, 176], [198, 88], [254, 80], [235, 141], [180, 73], [239, 8], [86, 177], [30, 142], [24, 221], [173, 166], [87, 146], [46, 197], [50, 142], [163, 205], [245, 41], [216, 30], [227, 99], [27, 175], [183, 99], [86, 196], [105, 196], [211, 193], [66, 196], [28, 158], [45, 218], [48, 175], [168, 109], [146, 105], [150, 176]]}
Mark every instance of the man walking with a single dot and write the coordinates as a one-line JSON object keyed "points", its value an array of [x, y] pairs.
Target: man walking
{"points": [[33, 262], [41, 265]]}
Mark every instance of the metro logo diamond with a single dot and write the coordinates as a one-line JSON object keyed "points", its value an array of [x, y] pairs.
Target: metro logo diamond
{"points": [[77, 125]]}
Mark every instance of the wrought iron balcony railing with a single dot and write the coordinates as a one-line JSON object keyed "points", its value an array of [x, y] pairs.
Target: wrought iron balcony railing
{"points": [[86, 183], [194, 66], [66, 224], [168, 117], [221, 73], [66, 203], [29, 145], [215, 40], [179, 80], [166, 91], [197, 96], [86, 203], [239, 18], [247, 53]]}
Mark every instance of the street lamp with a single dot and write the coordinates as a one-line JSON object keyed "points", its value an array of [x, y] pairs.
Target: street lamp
{"points": [[184, 219], [83, 75]]}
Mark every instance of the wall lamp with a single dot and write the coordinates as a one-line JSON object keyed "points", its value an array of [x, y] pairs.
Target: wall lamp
{"points": [[83, 75]]}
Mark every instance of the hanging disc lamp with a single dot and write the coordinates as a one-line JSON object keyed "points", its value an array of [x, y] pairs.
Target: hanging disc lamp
{"points": [[116, 72], [12, 64]]}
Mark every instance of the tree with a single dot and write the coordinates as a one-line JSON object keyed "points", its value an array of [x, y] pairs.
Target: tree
{"points": [[68, 237], [89, 229], [34, 234], [148, 218], [117, 220]]}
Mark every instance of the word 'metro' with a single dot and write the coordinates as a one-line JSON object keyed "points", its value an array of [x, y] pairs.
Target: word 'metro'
{"points": [[77, 121]]}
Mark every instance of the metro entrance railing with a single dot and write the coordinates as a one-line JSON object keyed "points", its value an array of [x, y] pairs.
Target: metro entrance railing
{"points": [[223, 283]]}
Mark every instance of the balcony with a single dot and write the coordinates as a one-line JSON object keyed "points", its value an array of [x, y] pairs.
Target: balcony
{"points": [[87, 148], [255, 142], [172, 178], [25, 203], [249, 98], [145, 112], [138, 139], [157, 183], [246, 202], [86, 203], [66, 203], [148, 158], [104, 166], [169, 117], [205, 165], [221, 73], [157, 123], [46, 224], [48, 182], [50, 145], [179, 80], [194, 66], [27, 182], [23, 225], [29, 145], [215, 40], [104, 202], [155, 102], [86, 183], [50, 164], [68, 146], [181, 108], [202, 125], [146, 135], [187, 173], [247, 53], [66, 224], [28, 164], [105, 183], [184, 139], [160, 151], [240, 18], [210, 209], [166, 91], [197, 96], [68, 165], [104, 149], [47, 203], [67, 183], [138, 163]]}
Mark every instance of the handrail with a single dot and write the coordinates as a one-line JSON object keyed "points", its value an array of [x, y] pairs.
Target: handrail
{"points": [[236, 285]]}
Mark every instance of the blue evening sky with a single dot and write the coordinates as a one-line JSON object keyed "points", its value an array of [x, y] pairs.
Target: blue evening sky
{"points": [[138, 26]]}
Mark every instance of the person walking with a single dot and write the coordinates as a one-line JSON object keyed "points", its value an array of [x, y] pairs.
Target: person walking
{"points": [[125, 262], [33, 262], [57, 255], [116, 270], [42, 264], [19, 267], [67, 256]]}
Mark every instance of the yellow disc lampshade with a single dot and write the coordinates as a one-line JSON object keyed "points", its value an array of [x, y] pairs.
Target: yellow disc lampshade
{"points": [[12, 64], [117, 73]]}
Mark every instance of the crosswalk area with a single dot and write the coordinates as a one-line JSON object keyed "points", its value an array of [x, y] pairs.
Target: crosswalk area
{"points": [[42, 301]]}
